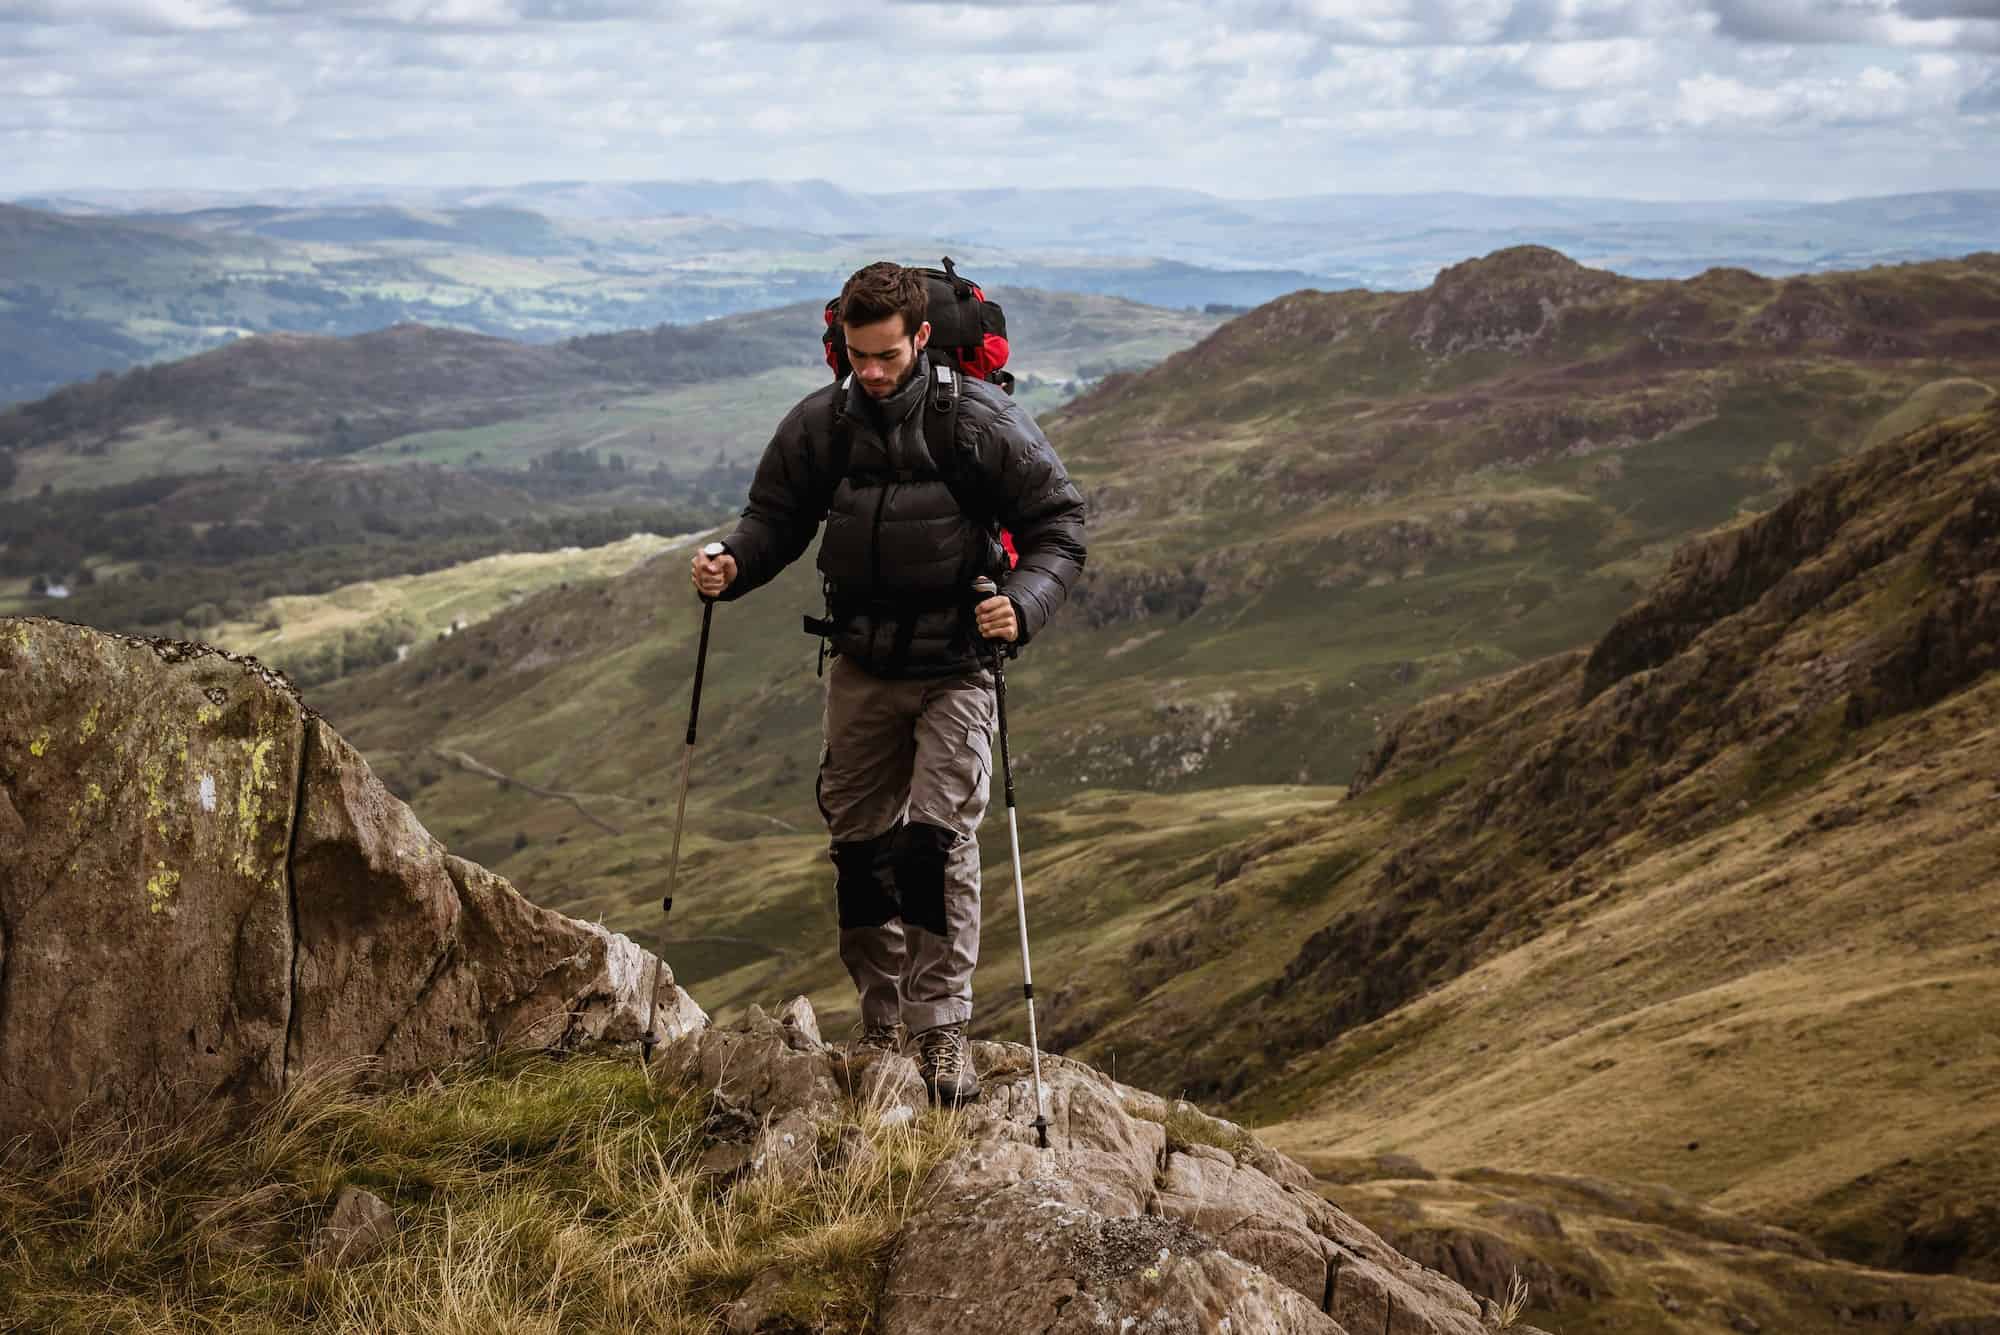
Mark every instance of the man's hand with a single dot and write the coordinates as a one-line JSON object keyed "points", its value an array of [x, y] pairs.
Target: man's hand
{"points": [[996, 620], [712, 574]]}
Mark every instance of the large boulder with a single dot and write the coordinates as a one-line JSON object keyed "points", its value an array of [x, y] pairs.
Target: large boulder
{"points": [[204, 893], [1124, 1224]]}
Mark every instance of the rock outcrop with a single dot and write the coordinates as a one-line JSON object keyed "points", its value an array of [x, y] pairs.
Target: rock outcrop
{"points": [[1128, 1223], [205, 892]]}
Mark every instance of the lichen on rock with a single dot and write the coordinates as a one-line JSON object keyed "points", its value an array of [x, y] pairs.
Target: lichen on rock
{"points": [[246, 900]]}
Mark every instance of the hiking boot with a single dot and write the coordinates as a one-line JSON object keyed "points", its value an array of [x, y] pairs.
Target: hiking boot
{"points": [[947, 1065], [879, 1038]]}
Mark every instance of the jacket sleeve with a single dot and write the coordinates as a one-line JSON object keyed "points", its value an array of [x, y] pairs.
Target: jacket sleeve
{"points": [[1044, 511], [784, 512]]}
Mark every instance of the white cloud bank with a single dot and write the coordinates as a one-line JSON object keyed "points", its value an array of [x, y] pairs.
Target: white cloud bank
{"points": [[1672, 98]]}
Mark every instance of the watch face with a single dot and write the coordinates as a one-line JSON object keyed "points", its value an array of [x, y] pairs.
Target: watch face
{"points": [[714, 549]]}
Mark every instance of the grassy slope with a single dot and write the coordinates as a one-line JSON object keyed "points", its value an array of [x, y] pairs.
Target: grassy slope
{"points": [[1767, 972], [676, 428], [429, 604], [528, 1194], [1603, 1257]]}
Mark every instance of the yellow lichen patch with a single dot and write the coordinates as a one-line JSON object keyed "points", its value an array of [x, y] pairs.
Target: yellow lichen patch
{"points": [[153, 770], [39, 747], [207, 714], [249, 802], [86, 807], [160, 889], [89, 728]]}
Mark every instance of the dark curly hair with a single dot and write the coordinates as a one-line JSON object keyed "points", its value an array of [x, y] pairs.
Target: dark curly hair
{"points": [[882, 289]]}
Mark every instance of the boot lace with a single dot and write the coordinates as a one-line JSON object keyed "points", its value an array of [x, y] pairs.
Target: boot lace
{"points": [[944, 1051]]}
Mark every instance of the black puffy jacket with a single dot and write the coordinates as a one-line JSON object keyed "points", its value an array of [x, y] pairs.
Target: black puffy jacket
{"points": [[898, 553]]}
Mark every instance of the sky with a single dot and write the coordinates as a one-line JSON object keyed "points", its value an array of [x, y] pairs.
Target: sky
{"points": [[1668, 99]]}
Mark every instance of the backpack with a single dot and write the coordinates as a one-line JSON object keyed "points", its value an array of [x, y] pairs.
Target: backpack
{"points": [[965, 326]]}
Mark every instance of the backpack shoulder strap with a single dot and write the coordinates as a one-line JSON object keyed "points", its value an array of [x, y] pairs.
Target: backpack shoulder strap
{"points": [[947, 455], [840, 440]]}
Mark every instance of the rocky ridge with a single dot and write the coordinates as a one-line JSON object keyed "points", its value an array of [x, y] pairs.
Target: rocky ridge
{"points": [[1144, 1217]]}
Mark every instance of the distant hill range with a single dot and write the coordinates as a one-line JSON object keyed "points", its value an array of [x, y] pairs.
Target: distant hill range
{"points": [[305, 395], [84, 294], [103, 279]]}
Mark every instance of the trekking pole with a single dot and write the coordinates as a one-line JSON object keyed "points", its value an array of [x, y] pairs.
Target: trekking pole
{"points": [[648, 1041], [986, 588]]}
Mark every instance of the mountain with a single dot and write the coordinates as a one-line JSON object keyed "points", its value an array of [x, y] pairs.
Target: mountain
{"points": [[556, 259]]}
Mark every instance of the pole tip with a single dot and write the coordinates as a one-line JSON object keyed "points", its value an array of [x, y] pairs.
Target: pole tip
{"points": [[1041, 1131], [667, 904]]}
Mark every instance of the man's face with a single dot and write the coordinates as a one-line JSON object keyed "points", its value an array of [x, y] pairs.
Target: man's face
{"points": [[882, 355]]}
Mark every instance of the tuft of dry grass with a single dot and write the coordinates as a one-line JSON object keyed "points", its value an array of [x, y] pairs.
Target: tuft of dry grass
{"points": [[1507, 1312], [532, 1195]]}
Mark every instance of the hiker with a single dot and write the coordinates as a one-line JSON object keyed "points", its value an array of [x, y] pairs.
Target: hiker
{"points": [[908, 726]]}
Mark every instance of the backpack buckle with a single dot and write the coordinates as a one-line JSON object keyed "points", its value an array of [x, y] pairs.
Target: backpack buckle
{"points": [[944, 387]]}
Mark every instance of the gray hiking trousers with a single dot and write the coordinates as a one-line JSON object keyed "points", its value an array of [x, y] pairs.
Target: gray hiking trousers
{"points": [[903, 783]]}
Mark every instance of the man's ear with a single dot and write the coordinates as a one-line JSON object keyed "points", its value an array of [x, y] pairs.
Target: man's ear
{"points": [[923, 335]]}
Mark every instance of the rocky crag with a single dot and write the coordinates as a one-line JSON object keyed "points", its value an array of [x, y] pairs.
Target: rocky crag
{"points": [[205, 892], [1143, 1217]]}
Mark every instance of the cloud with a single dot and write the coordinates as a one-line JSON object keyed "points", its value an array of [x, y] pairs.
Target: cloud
{"points": [[1953, 9], [1235, 96], [1933, 23], [132, 15], [1983, 100]]}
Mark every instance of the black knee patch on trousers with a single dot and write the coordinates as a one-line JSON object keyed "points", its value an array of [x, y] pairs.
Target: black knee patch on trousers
{"points": [[920, 856], [858, 881]]}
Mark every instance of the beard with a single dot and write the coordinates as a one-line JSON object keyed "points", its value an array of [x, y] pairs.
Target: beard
{"points": [[891, 389]]}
